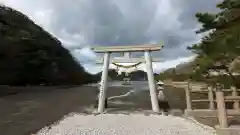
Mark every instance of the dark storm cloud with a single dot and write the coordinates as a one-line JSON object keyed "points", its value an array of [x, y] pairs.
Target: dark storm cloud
{"points": [[188, 9], [105, 22], [80, 23]]}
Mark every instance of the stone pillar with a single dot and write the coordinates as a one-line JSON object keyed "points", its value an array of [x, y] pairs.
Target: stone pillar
{"points": [[188, 96], [222, 114], [210, 98], [236, 102], [104, 79], [151, 82]]}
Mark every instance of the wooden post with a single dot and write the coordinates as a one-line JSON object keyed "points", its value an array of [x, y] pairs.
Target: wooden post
{"points": [[211, 98], [188, 97], [222, 114], [236, 102]]}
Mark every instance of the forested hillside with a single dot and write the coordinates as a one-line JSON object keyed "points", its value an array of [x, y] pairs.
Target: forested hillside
{"points": [[31, 56], [220, 48]]}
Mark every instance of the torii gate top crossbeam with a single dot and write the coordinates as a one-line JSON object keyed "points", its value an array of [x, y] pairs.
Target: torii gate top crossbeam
{"points": [[135, 48]]}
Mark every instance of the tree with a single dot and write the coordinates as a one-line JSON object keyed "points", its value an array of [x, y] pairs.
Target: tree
{"points": [[222, 44]]}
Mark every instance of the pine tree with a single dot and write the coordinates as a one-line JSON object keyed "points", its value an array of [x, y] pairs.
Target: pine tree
{"points": [[222, 44]]}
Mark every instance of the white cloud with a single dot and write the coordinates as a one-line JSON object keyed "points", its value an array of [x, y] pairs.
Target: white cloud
{"points": [[43, 18], [72, 40], [159, 67], [92, 68], [84, 55]]}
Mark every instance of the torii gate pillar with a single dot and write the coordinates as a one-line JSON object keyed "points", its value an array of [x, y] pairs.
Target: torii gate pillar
{"points": [[139, 48], [151, 82], [104, 83]]}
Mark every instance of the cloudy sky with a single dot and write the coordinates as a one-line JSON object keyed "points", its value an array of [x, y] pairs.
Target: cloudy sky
{"points": [[86, 23]]}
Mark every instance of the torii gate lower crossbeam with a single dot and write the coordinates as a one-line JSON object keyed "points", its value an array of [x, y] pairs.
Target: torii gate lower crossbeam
{"points": [[139, 48]]}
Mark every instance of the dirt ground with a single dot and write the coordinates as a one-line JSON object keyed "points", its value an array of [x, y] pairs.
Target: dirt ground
{"points": [[27, 112]]}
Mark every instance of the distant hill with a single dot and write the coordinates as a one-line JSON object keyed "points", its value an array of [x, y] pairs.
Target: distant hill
{"points": [[138, 75], [31, 56], [181, 72], [112, 74], [184, 68], [185, 71]]}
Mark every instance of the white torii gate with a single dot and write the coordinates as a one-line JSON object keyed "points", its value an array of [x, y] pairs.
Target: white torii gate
{"points": [[147, 49]]}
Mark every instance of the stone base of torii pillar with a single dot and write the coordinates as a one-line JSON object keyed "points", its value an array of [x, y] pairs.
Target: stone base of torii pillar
{"points": [[118, 49]]}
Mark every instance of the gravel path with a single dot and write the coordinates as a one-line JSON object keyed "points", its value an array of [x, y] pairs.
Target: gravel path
{"points": [[120, 124]]}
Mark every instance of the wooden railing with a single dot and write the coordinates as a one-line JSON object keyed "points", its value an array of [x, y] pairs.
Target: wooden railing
{"points": [[197, 89], [214, 95], [221, 107], [210, 91]]}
